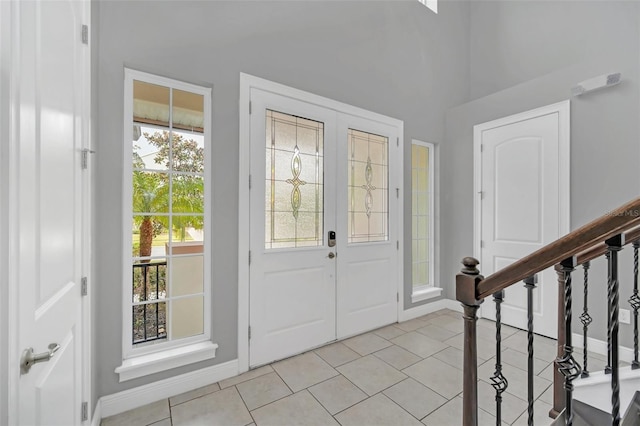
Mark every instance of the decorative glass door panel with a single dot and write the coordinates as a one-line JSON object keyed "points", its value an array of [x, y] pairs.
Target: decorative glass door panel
{"points": [[368, 188], [294, 186]]}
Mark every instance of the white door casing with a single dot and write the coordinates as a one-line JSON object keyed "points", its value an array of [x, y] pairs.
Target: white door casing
{"points": [[50, 123], [522, 204], [300, 298]]}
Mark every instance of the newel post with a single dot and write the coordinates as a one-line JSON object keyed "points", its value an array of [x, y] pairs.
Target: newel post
{"points": [[466, 284]]}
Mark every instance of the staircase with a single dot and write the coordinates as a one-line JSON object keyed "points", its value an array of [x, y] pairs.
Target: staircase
{"points": [[580, 397]]}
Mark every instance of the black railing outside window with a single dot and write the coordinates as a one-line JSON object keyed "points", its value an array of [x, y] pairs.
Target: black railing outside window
{"points": [[149, 305]]}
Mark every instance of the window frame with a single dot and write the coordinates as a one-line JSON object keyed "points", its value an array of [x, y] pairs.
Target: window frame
{"points": [[431, 4], [154, 353], [431, 290]]}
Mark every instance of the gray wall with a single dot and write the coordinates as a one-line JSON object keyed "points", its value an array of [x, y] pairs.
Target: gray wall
{"points": [[529, 54], [394, 58]]}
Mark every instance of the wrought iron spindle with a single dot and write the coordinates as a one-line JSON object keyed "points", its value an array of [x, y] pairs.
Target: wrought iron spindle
{"points": [[607, 368], [634, 301], [567, 365], [585, 318], [614, 245], [530, 284], [498, 381]]}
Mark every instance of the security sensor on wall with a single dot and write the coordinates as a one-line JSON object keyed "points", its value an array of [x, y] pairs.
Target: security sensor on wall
{"points": [[605, 80]]}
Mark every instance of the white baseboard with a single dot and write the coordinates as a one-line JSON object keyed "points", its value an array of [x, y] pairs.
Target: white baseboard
{"points": [[600, 347], [129, 399], [428, 308], [97, 414]]}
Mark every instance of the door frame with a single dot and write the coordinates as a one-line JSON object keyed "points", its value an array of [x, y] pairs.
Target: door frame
{"points": [[247, 82], [9, 231], [564, 159]]}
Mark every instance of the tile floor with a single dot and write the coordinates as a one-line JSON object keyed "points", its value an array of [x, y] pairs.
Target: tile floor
{"points": [[403, 374]]}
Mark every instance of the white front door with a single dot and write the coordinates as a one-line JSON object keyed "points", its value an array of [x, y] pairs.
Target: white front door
{"points": [[323, 226], [522, 179], [51, 83]]}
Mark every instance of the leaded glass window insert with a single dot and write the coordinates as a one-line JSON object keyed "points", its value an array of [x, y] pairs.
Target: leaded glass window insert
{"points": [[294, 181], [368, 187], [421, 205]]}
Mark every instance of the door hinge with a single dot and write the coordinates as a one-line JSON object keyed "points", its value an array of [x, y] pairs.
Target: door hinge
{"points": [[83, 286], [398, 141], [397, 192], [84, 413], [85, 157], [249, 257], [85, 34], [397, 297], [249, 181], [481, 147], [249, 107], [249, 332], [481, 194], [397, 244], [481, 244]]}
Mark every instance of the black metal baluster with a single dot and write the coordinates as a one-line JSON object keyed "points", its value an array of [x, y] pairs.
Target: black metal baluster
{"points": [[530, 284], [498, 381], [614, 245], [567, 365], [634, 301], [144, 308], [157, 304], [607, 368], [586, 319]]}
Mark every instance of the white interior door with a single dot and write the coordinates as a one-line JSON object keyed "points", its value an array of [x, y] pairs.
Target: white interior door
{"points": [[51, 105], [324, 223], [292, 199], [367, 213], [523, 197]]}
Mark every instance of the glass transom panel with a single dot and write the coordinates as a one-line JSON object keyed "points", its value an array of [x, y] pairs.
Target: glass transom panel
{"points": [[368, 188], [294, 181]]}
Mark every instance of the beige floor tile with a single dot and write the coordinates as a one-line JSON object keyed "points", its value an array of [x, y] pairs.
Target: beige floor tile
{"points": [[251, 374], [164, 422], [540, 415], [437, 376], [452, 356], [450, 414], [436, 332], [516, 359], [543, 347], [512, 406], [486, 348], [337, 394], [224, 408], [397, 357], [489, 325], [547, 396], [367, 343], [262, 390], [304, 370], [376, 411], [337, 354], [417, 399], [450, 322], [547, 373], [419, 344], [141, 416], [300, 409], [412, 325], [196, 393], [371, 374], [389, 332]]}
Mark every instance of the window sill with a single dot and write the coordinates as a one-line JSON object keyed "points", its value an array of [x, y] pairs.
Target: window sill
{"points": [[425, 294], [144, 365]]}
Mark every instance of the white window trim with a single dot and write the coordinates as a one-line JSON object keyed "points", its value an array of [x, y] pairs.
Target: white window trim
{"points": [[431, 4], [430, 291], [153, 358]]}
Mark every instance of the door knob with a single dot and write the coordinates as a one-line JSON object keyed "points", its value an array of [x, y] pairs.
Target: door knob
{"points": [[29, 358], [331, 255]]}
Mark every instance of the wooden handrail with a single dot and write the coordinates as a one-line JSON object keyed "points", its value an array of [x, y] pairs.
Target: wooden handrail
{"points": [[584, 239], [599, 250]]}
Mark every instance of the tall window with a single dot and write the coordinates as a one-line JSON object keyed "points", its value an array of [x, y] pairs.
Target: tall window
{"points": [[167, 267], [422, 174]]}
